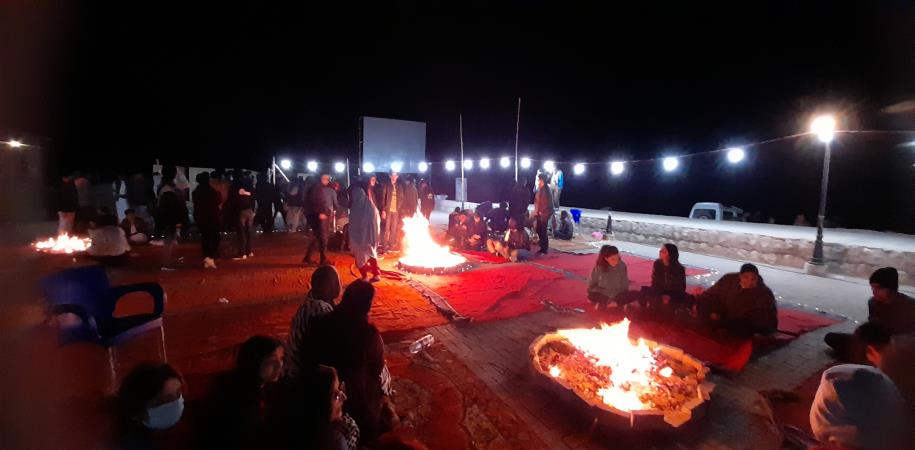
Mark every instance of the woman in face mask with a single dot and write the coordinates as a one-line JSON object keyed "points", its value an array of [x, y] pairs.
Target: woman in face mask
{"points": [[149, 399]]}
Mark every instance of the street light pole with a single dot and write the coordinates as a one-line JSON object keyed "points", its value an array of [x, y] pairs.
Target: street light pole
{"points": [[463, 180], [821, 215]]}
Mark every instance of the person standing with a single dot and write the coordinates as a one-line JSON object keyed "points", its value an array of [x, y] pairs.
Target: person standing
{"points": [[392, 198], [543, 211], [264, 194], [519, 202], [119, 189], [410, 199], [206, 216], [172, 216], [244, 204], [323, 201], [295, 205], [364, 227], [67, 204], [426, 199]]}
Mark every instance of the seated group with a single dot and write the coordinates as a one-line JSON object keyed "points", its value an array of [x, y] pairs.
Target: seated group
{"points": [[498, 233]]}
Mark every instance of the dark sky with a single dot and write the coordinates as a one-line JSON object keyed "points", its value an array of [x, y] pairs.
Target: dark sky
{"points": [[115, 84]]}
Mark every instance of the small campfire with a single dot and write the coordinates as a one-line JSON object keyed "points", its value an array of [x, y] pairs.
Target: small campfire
{"points": [[649, 384], [424, 255], [63, 244]]}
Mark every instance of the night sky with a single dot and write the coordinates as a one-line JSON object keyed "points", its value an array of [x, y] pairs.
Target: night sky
{"points": [[112, 85]]}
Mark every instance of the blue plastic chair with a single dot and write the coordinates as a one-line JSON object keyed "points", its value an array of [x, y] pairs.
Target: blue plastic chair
{"points": [[87, 293], [576, 215]]}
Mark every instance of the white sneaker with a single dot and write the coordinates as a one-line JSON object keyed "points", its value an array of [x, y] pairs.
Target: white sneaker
{"points": [[251, 255], [157, 242], [240, 258]]}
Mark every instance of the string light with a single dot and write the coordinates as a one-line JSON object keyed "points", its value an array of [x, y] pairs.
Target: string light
{"points": [[15, 143], [549, 166], [824, 127], [286, 164], [617, 167], [670, 164], [449, 165], [505, 162], [468, 164], [368, 167], [312, 166], [339, 167], [578, 169], [735, 155], [423, 166], [484, 163], [525, 163], [396, 166]]}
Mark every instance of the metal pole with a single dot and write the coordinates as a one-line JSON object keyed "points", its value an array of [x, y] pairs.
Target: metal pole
{"points": [[517, 129], [273, 170], [821, 216], [463, 181], [348, 184]]}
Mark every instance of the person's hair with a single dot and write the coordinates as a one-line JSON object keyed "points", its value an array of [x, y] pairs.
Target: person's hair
{"points": [[357, 299], [512, 221], [605, 252], [886, 277], [673, 253], [476, 215], [544, 178], [325, 284], [457, 209], [749, 268], [129, 211], [503, 204], [874, 334], [252, 353], [202, 178], [141, 386], [321, 385], [563, 214]]}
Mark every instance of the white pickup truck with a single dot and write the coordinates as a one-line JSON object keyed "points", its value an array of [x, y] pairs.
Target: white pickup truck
{"points": [[716, 211]]}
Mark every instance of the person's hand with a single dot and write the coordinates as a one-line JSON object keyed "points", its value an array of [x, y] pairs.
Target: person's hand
{"points": [[476, 236], [322, 216], [384, 215]]}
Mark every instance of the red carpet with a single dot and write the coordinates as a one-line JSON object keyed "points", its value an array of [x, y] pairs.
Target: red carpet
{"points": [[639, 268], [484, 257]]}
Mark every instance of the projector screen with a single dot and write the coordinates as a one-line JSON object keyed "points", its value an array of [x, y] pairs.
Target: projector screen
{"points": [[387, 142]]}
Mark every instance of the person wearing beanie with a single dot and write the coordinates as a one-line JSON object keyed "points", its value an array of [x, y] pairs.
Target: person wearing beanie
{"points": [[888, 307], [741, 303]]}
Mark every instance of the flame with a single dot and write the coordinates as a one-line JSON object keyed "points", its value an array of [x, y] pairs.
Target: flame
{"points": [[555, 372], [666, 372], [630, 364], [419, 248], [63, 244]]}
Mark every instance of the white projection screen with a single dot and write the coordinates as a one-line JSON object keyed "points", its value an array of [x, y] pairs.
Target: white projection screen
{"points": [[388, 141]]}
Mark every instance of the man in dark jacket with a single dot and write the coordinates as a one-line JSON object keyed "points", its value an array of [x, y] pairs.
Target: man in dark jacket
{"points": [[410, 199], [498, 218], [741, 303], [514, 245], [887, 307], [518, 202], [392, 198], [66, 206], [426, 199], [323, 201], [172, 217], [206, 216], [543, 211], [244, 203], [295, 205], [265, 195]]}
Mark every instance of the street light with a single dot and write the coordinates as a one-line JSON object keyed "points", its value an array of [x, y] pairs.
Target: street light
{"points": [[670, 164], [484, 163], [617, 167], [423, 166], [15, 143], [286, 164], [525, 163], [339, 167], [824, 128], [505, 162], [449, 165], [312, 166], [368, 167], [468, 164], [735, 155], [578, 169]]}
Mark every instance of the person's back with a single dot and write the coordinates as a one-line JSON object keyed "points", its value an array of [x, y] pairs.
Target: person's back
{"points": [[206, 204], [498, 219], [108, 240], [896, 313]]}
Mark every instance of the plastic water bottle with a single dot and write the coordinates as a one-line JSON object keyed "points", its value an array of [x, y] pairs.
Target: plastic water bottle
{"points": [[422, 344]]}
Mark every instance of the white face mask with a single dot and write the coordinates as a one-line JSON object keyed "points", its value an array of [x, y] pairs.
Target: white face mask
{"points": [[165, 415]]}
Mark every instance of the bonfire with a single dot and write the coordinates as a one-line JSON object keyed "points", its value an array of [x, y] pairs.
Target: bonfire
{"points": [[421, 253], [63, 244], [606, 369]]}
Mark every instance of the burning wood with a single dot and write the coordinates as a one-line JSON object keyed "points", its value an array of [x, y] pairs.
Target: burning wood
{"points": [[63, 244], [421, 253], [607, 370]]}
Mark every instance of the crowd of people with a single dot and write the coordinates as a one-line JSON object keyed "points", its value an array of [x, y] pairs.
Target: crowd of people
{"points": [[326, 387]]}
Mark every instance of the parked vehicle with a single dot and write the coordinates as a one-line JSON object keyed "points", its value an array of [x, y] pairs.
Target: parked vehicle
{"points": [[717, 211]]}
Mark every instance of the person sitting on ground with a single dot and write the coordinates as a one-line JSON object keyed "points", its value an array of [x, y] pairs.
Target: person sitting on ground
{"points": [[109, 244], [668, 278], [740, 303], [454, 216], [897, 361], [236, 410], [874, 339], [459, 232], [609, 280], [858, 407], [498, 218], [325, 288], [312, 413], [347, 341], [148, 401], [477, 233], [566, 227], [887, 306], [514, 245], [135, 227]]}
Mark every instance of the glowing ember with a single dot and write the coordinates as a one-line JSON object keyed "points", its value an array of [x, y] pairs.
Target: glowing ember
{"points": [[419, 248], [603, 365], [64, 243]]}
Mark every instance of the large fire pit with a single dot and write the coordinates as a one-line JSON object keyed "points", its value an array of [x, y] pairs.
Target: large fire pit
{"points": [[63, 244], [423, 255], [647, 384]]}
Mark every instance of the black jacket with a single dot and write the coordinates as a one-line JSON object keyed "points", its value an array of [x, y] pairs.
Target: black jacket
{"points": [[323, 200], [668, 280], [410, 199], [69, 200], [498, 219], [206, 205], [426, 199], [172, 210]]}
